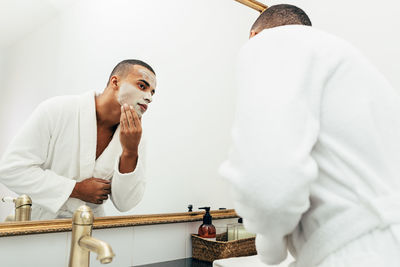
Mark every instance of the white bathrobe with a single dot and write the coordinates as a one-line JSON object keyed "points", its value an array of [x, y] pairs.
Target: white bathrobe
{"points": [[315, 162], [57, 148]]}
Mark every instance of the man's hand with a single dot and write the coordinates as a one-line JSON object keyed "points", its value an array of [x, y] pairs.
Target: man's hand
{"points": [[93, 190], [130, 134]]}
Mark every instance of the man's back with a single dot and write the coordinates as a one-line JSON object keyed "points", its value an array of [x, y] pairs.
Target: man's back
{"points": [[357, 150], [316, 136]]}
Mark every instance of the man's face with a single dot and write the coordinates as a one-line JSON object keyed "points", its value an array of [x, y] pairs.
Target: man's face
{"points": [[137, 89]]}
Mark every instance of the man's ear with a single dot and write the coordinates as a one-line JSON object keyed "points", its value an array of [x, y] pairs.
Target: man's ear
{"points": [[114, 81], [253, 33]]}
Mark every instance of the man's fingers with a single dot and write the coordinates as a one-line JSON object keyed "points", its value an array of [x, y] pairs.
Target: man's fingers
{"points": [[123, 121], [136, 119], [106, 187], [104, 181], [107, 190], [129, 118]]}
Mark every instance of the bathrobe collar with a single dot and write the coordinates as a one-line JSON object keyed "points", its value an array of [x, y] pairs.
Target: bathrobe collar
{"points": [[88, 134], [89, 166]]}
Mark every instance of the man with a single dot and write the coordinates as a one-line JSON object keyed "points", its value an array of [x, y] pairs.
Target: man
{"points": [[315, 161], [77, 150]]}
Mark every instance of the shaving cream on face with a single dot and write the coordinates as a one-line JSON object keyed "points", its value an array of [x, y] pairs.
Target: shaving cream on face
{"points": [[148, 76], [129, 94]]}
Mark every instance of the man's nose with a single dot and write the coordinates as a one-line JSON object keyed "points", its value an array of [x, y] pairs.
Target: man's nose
{"points": [[148, 97]]}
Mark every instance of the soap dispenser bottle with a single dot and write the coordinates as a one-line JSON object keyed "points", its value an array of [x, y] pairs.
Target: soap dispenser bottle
{"points": [[207, 229]]}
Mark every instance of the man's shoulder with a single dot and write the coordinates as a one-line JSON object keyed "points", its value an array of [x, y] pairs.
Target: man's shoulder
{"points": [[296, 43], [61, 108], [298, 37], [60, 100], [62, 103]]}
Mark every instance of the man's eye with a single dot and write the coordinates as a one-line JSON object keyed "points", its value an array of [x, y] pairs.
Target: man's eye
{"points": [[142, 86], [153, 92]]}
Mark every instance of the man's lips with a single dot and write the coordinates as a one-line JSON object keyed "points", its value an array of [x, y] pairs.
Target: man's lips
{"points": [[143, 107]]}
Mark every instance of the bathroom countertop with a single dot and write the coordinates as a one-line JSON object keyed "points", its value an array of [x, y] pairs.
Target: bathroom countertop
{"points": [[188, 262]]}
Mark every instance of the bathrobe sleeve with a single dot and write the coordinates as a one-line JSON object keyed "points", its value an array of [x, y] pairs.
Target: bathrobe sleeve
{"points": [[276, 126], [127, 189], [22, 165]]}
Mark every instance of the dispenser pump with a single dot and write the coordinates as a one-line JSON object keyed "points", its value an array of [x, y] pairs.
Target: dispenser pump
{"points": [[207, 230], [207, 218]]}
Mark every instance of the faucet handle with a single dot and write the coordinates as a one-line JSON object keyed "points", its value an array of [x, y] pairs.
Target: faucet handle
{"points": [[19, 201], [8, 199], [22, 200], [23, 208]]}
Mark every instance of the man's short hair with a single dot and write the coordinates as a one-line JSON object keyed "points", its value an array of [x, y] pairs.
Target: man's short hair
{"points": [[280, 15], [122, 68]]}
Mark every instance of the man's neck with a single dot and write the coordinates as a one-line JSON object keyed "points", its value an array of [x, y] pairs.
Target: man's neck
{"points": [[105, 111]]}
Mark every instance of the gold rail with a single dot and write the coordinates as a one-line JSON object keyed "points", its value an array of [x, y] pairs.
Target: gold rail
{"points": [[260, 7], [64, 225]]}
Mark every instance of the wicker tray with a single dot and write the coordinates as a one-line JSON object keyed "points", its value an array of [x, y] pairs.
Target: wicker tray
{"points": [[207, 250]]}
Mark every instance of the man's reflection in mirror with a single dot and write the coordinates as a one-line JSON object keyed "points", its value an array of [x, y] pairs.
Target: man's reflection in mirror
{"points": [[84, 149]]}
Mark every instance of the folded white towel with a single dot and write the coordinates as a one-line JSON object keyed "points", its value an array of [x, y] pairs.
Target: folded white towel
{"points": [[253, 261]]}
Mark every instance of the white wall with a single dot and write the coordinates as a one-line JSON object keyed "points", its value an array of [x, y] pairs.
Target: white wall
{"points": [[1, 67], [132, 246], [5, 208], [192, 45], [371, 26]]}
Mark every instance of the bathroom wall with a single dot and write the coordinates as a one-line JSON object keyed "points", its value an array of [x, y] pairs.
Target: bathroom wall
{"points": [[369, 25], [1, 67], [5, 208], [132, 245]]}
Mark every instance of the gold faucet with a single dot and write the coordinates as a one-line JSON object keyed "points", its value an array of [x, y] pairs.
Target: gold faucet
{"points": [[82, 241], [23, 209], [260, 7]]}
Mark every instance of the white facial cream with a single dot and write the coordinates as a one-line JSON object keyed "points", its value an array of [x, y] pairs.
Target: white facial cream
{"points": [[148, 76], [129, 94]]}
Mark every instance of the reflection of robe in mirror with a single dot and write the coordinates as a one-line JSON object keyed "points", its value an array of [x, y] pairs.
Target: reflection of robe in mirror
{"points": [[57, 148]]}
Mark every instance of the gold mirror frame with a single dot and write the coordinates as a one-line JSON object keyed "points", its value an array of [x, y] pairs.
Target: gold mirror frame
{"points": [[65, 225]]}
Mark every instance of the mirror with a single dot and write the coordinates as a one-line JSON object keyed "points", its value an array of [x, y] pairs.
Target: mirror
{"points": [[73, 48], [51, 48]]}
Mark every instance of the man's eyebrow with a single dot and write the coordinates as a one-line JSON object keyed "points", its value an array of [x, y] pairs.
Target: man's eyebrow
{"points": [[144, 81]]}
